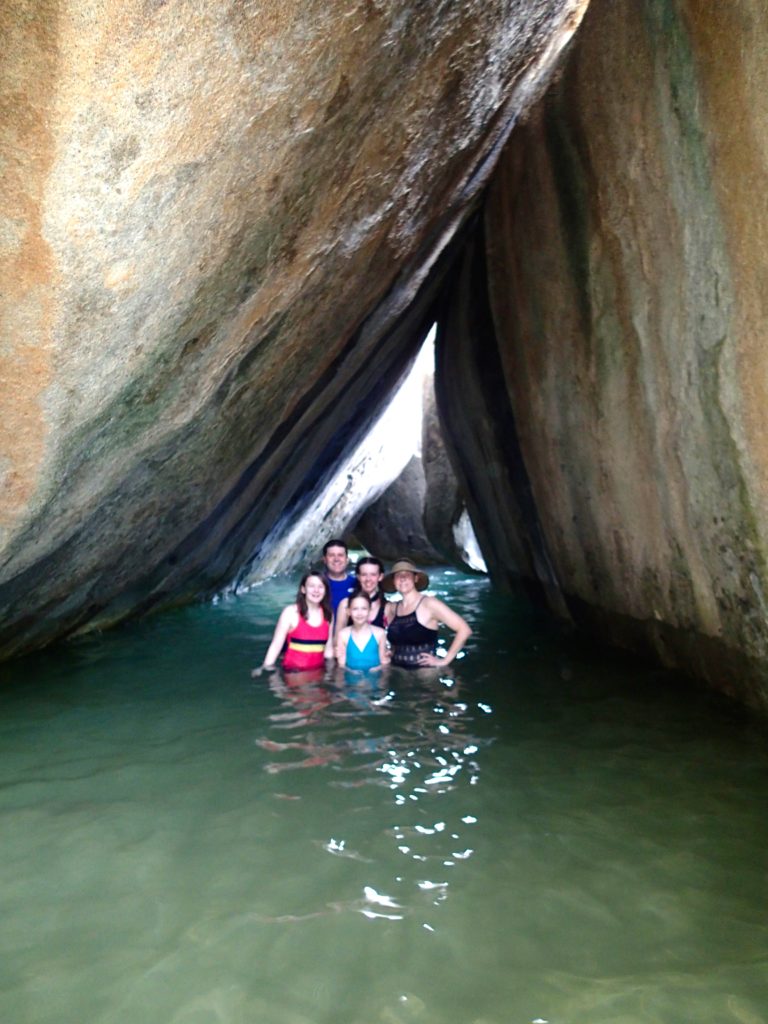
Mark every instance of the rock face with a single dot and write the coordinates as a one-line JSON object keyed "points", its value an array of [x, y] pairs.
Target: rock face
{"points": [[224, 231], [618, 292], [358, 482], [422, 514], [221, 230], [394, 525], [446, 522]]}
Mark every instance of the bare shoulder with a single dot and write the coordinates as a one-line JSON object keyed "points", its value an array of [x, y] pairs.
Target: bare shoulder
{"points": [[440, 611], [432, 604], [289, 616]]}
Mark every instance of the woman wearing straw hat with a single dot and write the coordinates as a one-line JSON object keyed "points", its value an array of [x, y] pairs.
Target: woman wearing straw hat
{"points": [[413, 621]]}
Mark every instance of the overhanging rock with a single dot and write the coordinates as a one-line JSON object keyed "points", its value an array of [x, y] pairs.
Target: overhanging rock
{"points": [[217, 230]]}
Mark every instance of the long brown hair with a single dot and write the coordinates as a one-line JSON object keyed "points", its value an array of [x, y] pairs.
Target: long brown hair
{"points": [[301, 597]]}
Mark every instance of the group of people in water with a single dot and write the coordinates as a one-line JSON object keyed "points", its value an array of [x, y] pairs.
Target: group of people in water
{"points": [[343, 615]]}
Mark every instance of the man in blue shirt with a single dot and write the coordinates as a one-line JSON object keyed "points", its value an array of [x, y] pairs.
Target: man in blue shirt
{"points": [[341, 583]]}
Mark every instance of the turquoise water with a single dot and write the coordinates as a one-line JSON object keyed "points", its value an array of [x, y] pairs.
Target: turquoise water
{"points": [[549, 835]]}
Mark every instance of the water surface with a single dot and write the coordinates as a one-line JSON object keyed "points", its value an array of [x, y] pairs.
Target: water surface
{"points": [[545, 834]]}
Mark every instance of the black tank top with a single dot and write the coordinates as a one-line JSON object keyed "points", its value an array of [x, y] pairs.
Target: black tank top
{"points": [[378, 619], [408, 639]]}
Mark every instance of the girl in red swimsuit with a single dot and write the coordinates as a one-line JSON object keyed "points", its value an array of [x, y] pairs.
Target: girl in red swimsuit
{"points": [[304, 629]]}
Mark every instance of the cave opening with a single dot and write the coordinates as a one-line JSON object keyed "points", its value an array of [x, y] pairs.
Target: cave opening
{"points": [[393, 492]]}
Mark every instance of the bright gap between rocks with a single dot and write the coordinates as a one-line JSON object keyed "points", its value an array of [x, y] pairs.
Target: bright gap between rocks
{"points": [[379, 459]]}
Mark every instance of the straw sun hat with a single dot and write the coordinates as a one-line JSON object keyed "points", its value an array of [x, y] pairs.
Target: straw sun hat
{"points": [[421, 580]]}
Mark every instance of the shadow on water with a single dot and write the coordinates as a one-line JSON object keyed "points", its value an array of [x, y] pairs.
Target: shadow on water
{"points": [[547, 833]]}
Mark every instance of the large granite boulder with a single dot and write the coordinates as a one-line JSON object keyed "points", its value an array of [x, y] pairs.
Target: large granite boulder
{"points": [[221, 230], [393, 525], [357, 483], [423, 513], [608, 326], [224, 231]]}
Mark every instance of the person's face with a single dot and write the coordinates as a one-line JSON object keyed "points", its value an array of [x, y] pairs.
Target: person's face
{"points": [[336, 561], [314, 589], [405, 581], [358, 611], [369, 576]]}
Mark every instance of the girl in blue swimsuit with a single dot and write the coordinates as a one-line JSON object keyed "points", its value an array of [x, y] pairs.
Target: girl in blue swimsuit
{"points": [[361, 645]]}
